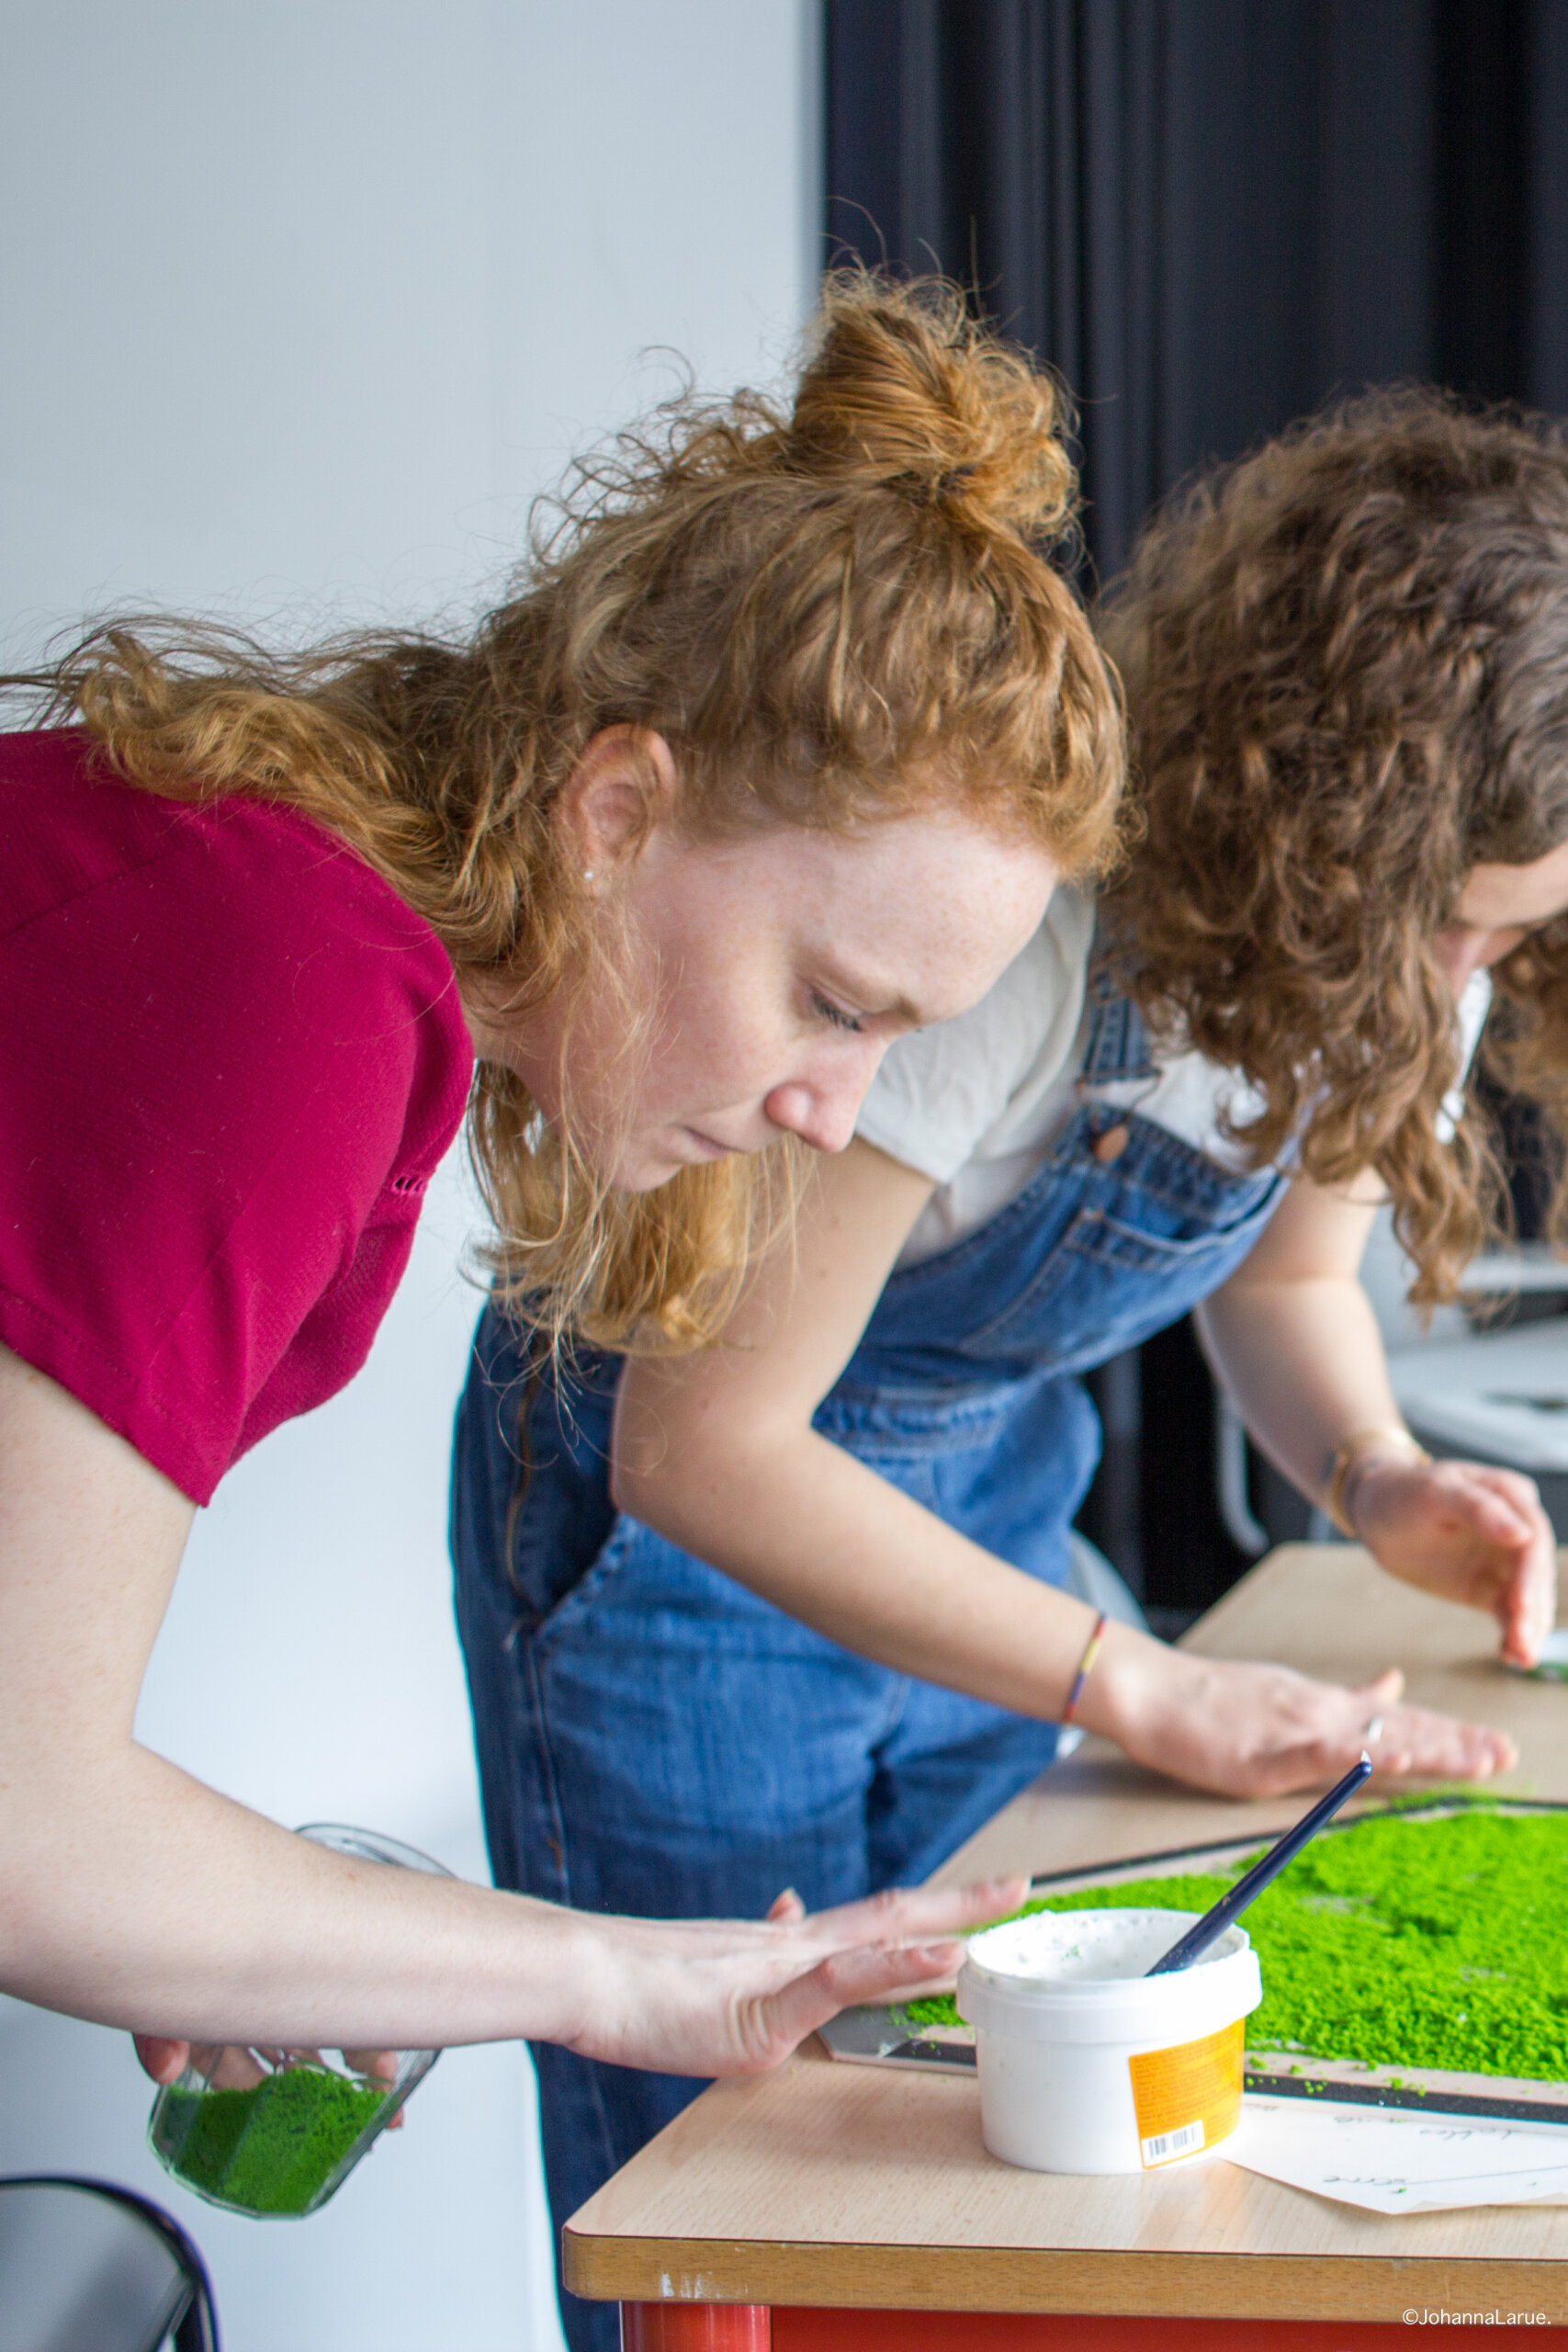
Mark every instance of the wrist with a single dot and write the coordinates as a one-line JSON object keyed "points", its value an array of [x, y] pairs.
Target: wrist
{"points": [[1126, 1686], [570, 1963], [1353, 1457]]}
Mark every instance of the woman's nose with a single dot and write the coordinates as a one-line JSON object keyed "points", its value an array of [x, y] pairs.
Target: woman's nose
{"points": [[1461, 950], [822, 1109], [1458, 951]]}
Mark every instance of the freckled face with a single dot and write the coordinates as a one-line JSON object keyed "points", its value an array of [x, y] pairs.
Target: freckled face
{"points": [[778, 969]]}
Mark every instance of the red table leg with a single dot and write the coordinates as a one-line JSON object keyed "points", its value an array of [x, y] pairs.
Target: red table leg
{"points": [[696, 2327], [751, 2327], [801, 2330]]}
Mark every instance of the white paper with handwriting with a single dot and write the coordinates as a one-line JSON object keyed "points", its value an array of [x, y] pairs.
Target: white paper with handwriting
{"points": [[1388, 2160]]}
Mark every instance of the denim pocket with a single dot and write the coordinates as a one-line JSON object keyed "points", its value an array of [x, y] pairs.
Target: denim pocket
{"points": [[1109, 1284], [576, 1601]]}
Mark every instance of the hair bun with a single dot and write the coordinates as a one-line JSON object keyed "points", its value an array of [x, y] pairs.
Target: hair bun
{"points": [[907, 391]]}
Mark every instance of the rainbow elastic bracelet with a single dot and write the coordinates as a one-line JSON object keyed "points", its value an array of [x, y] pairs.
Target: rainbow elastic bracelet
{"points": [[1086, 1667]]}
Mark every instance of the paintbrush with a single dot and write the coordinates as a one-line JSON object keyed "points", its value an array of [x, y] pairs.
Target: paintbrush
{"points": [[1196, 1941]]}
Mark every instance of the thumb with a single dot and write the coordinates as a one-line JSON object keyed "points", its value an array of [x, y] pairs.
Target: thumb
{"points": [[775, 2026], [165, 2061], [787, 1906], [1387, 1689], [870, 1973]]}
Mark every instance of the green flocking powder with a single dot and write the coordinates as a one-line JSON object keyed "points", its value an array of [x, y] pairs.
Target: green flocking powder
{"points": [[1439, 1944], [270, 2150]]}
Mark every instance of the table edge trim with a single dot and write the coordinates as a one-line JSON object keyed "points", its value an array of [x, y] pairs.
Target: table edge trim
{"points": [[1087, 2280]]}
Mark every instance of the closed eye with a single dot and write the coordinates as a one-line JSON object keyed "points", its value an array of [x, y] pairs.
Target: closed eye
{"points": [[834, 1014]]}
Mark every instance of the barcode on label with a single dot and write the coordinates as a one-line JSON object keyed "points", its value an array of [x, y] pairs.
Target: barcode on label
{"points": [[1166, 2144]]}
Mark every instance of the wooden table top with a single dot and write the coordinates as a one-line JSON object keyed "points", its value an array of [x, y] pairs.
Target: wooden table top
{"points": [[838, 2184]]}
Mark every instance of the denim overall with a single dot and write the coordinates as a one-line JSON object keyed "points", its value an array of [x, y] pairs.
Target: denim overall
{"points": [[654, 1738]]}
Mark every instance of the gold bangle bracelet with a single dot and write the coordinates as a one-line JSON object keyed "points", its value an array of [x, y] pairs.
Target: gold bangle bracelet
{"points": [[1345, 1457]]}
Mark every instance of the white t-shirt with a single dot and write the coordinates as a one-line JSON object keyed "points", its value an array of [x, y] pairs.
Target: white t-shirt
{"points": [[976, 1102]]}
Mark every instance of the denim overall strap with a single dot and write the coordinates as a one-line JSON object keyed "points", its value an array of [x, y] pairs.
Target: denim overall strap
{"points": [[1123, 1227], [1118, 1043]]}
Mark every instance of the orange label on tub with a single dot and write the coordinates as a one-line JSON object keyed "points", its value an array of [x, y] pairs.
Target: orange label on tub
{"points": [[1187, 2097]]}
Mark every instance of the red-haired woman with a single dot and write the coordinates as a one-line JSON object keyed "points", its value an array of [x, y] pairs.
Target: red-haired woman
{"points": [[777, 754]]}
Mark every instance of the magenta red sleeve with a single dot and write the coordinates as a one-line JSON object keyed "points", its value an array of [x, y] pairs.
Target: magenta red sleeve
{"points": [[230, 1060]]}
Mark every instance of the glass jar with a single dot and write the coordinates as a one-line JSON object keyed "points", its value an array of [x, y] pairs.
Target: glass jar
{"points": [[276, 2132]]}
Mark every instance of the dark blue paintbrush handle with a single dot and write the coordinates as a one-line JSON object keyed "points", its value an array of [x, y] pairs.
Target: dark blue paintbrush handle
{"points": [[1230, 1906]]}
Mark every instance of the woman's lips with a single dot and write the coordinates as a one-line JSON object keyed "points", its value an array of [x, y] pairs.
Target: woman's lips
{"points": [[709, 1146]]}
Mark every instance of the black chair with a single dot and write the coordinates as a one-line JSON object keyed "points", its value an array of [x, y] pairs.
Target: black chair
{"points": [[88, 2266]]}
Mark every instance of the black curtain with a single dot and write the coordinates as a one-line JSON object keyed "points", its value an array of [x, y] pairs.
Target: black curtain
{"points": [[1210, 216]]}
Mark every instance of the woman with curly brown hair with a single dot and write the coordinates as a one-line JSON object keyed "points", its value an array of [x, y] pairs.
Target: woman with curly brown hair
{"points": [[806, 1607], [777, 752], [1346, 661]]}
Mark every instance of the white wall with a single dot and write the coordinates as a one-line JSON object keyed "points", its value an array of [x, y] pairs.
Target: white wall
{"points": [[301, 303]]}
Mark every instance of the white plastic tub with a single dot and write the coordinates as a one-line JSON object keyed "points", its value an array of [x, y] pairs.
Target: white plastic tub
{"points": [[1087, 2064]]}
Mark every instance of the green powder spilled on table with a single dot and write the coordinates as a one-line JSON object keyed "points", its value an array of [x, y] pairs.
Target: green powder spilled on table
{"points": [[1396, 1941], [271, 2149]]}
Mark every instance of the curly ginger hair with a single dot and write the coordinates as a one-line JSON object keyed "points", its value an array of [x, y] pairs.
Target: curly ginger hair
{"points": [[1345, 660], [836, 609]]}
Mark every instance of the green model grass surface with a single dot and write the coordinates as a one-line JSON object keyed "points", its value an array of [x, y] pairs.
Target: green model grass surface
{"points": [[272, 2149], [1397, 1942]]}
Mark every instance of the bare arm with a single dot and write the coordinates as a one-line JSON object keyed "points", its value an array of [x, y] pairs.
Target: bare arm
{"points": [[701, 1441], [133, 1894], [718, 1452], [1293, 1337]]}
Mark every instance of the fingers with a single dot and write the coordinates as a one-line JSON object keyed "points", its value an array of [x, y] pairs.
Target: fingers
{"points": [[920, 1988], [1290, 1771], [1416, 1740], [780, 2022], [231, 2068], [1272, 1734], [904, 1916], [787, 1906], [1528, 1608], [897, 1942], [377, 2066], [1520, 1490], [1474, 1533], [853, 1976], [235, 2068], [1407, 1743], [165, 2061], [1415, 1743], [1502, 1504], [1501, 1508]]}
